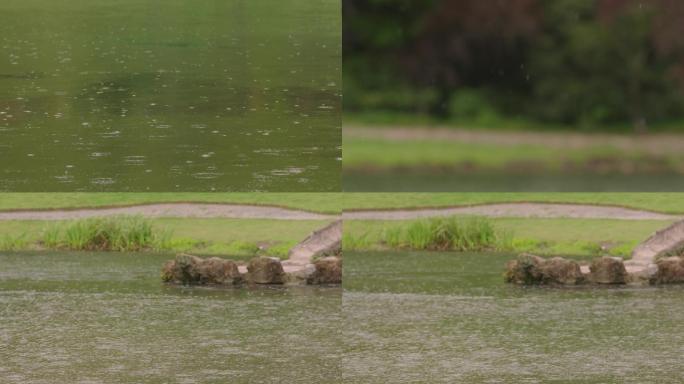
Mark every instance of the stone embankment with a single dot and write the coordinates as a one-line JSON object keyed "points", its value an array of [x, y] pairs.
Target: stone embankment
{"points": [[317, 260], [657, 260]]}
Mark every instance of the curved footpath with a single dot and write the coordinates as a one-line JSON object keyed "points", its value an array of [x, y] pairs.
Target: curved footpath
{"points": [[541, 210], [241, 211], [190, 210]]}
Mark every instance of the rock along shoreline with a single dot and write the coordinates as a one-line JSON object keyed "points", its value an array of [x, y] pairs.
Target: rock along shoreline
{"points": [[656, 261], [529, 269], [193, 270]]}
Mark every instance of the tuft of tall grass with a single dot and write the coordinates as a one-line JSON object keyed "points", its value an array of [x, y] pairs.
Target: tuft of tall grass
{"points": [[51, 236], [351, 242], [441, 234], [119, 233], [13, 243]]}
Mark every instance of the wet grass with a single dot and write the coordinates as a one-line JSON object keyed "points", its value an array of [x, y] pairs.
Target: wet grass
{"points": [[121, 233], [239, 239], [577, 238], [367, 153], [441, 234], [13, 242], [437, 234]]}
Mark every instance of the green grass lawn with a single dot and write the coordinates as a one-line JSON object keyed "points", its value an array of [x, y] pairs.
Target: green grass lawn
{"points": [[581, 238], [657, 202], [365, 152], [383, 119], [360, 153], [314, 202], [237, 238]]}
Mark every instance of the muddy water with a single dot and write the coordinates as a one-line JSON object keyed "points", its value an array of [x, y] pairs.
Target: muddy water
{"points": [[447, 317], [105, 317], [170, 95]]}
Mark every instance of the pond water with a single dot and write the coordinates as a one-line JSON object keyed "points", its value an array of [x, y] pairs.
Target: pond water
{"points": [[174, 95], [448, 317], [106, 317], [425, 181]]}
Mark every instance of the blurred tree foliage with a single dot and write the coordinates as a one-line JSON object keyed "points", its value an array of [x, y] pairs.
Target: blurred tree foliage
{"points": [[580, 62]]}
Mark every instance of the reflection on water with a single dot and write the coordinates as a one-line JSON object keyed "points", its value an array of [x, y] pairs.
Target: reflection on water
{"points": [[448, 317], [426, 181], [106, 317], [189, 96]]}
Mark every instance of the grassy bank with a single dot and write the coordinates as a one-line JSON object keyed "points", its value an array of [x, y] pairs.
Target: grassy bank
{"points": [[657, 202], [377, 154], [509, 147], [314, 202], [382, 119], [122, 234], [237, 238], [438, 234], [578, 238]]}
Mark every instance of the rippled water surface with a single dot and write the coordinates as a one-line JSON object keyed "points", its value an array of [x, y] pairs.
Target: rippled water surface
{"points": [[170, 95], [106, 318], [448, 317]]}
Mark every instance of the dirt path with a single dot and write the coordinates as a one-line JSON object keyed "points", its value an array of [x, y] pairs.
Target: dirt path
{"points": [[239, 211], [197, 210], [542, 210], [654, 144]]}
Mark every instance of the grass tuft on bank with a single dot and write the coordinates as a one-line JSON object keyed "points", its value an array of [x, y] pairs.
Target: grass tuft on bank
{"points": [[120, 233], [238, 239], [582, 239], [437, 234], [10, 242]]}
